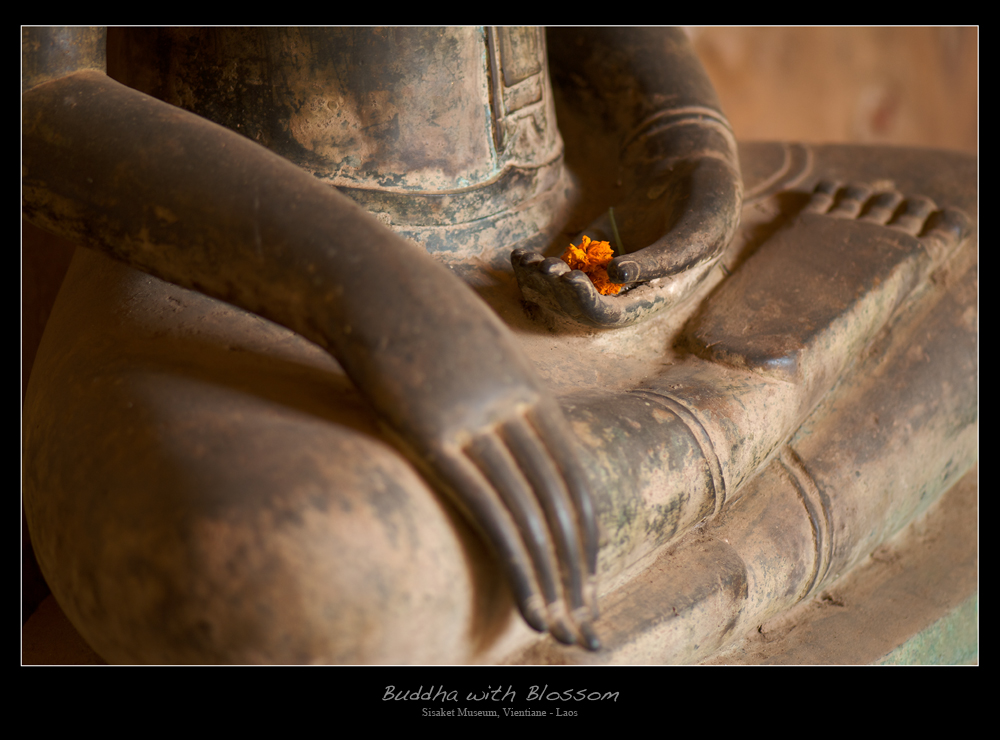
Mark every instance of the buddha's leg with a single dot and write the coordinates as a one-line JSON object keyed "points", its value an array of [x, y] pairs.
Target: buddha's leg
{"points": [[204, 486], [194, 530], [829, 397], [887, 442]]}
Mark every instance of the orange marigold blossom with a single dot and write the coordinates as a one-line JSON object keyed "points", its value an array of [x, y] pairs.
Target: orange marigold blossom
{"points": [[592, 259]]}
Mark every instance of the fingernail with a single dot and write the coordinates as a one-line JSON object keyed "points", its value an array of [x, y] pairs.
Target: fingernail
{"points": [[590, 639], [623, 272], [553, 266]]}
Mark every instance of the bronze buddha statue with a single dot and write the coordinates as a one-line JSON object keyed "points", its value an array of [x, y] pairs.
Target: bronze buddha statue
{"points": [[243, 460]]}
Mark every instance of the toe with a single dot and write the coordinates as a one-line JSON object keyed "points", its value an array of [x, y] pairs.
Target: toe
{"points": [[950, 226], [850, 203], [822, 197], [914, 215], [881, 208]]}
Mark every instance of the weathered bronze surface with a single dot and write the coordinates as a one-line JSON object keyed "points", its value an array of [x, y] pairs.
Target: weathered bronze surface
{"points": [[50, 53], [206, 486]]}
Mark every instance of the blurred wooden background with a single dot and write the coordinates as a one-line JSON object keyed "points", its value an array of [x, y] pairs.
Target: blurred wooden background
{"points": [[904, 86]]}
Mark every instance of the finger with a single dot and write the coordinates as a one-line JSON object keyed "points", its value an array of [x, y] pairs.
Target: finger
{"points": [[554, 267], [525, 258], [709, 200], [555, 436], [550, 489], [475, 494], [496, 463], [553, 433], [578, 293]]}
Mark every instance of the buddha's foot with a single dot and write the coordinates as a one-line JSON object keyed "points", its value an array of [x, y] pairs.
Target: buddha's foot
{"points": [[940, 230], [824, 285]]}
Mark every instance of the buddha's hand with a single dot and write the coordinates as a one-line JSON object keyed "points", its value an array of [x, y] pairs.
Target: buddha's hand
{"points": [[680, 209], [248, 227], [451, 384], [642, 91]]}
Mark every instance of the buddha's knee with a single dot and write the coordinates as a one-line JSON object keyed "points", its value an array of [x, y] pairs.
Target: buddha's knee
{"points": [[199, 511], [300, 543]]}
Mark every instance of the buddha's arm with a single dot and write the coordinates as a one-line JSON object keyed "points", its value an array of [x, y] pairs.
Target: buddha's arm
{"points": [[683, 190], [680, 193], [200, 206]]}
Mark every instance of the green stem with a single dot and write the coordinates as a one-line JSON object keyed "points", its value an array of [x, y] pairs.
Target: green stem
{"points": [[614, 230]]}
